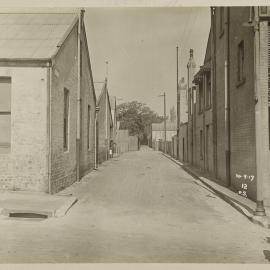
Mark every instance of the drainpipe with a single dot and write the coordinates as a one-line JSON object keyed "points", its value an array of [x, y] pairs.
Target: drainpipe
{"points": [[227, 98], [261, 162], [188, 102], [106, 118], [96, 130], [49, 125]]}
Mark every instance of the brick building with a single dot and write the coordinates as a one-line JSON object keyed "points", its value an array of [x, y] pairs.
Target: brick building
{"points": [[47, 101], [231, 139], [105, 124], [203, 124]]}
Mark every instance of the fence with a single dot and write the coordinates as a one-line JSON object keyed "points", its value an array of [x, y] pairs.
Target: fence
{"points": [[171, 146], [125, 143]]}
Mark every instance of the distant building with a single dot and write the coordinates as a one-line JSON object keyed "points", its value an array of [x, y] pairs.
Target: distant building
{"points": [[46, 135], [114, 115], [158, 131], [105, 124], [158, 134]]}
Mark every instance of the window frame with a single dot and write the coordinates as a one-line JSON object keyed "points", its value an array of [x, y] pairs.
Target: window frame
{"points": [[208, 90], [66, 112], [201, 98], [6, 146], [201, 144], [240, 64], [88, 126]]}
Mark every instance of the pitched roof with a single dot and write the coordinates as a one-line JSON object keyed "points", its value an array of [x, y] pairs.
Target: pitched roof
{"points": [[170, 126], [33, 35]]}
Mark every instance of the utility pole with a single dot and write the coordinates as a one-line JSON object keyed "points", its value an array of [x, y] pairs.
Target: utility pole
{"points": [[178, 103], [107, 63]]}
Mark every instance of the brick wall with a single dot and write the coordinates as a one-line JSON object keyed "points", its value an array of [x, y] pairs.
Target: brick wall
{"points": [[203, 157], [242, 103], [183, 142], [65, 75], [25, 167], [87, 156], [220, 100], [264, 87]]}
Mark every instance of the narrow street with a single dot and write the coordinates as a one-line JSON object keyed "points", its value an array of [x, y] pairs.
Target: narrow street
{"points": [[139, 207]]}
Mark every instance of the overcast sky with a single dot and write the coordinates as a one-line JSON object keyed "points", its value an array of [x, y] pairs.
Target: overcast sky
{"points": [[140, 45]]}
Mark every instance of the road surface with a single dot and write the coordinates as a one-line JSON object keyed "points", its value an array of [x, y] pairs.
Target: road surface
{"points": [[139, 207]]}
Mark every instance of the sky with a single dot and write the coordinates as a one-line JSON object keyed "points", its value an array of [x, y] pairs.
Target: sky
{"points": [[140, 47]]}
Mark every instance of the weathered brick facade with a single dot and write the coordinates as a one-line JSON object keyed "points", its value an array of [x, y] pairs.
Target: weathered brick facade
{"points": [[64, 75], [88, 98], [25, 166], [242, 109], [224, 141], [39, 159]]}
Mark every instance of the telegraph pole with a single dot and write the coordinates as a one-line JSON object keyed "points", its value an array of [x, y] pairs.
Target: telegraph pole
{"points": [[178, 104]]}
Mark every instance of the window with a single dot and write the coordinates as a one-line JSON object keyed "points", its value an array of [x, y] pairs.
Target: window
{"points": [[240, 63], [88, 127], [66, 118], [221, 21], [201, 144], [189, 102], [208, 90], [201, 96], [5, 114]]}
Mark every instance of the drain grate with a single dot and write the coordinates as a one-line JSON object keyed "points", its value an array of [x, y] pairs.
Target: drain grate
{"points": [[28, 215]]}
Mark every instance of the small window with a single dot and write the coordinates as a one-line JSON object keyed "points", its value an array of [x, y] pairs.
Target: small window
{"points": [[221, 21], [240, 62], [201, 144], [189, 102], [66, 119], [5, 114], [201, 96], [88, 126], [208, 90]]}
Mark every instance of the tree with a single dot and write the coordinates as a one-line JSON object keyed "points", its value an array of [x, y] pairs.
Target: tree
{"points": [[137, 118]]}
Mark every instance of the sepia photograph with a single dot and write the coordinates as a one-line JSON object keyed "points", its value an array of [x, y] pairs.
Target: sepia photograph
{"points": [[134, 132]]}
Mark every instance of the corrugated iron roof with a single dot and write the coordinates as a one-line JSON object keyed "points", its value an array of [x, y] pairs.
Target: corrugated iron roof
{"points": [[170, 126], [33, 35]]}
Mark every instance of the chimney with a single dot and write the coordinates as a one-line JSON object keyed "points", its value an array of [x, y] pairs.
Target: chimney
{"points": [[191, 53]]}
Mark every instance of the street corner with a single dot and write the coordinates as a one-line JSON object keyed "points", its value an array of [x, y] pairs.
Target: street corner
{"points": [[35, 205]]}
